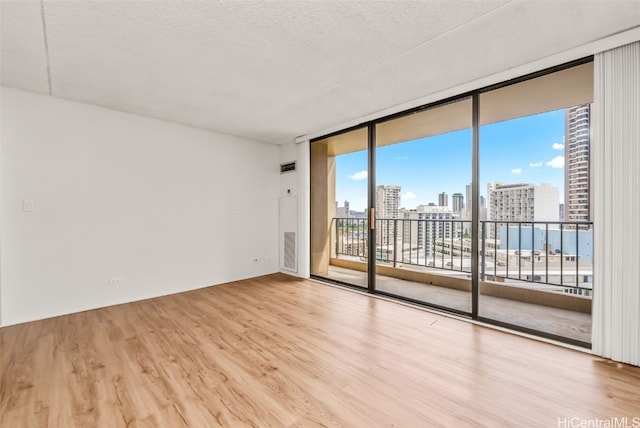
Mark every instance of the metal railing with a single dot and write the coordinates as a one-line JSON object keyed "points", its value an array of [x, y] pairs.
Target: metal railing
{"points": [[558, 254]]}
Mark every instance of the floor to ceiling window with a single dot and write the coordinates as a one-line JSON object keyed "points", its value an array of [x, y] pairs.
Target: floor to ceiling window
{"points": [[404, 204], [423, 167], [339, 214], [534, 141]]}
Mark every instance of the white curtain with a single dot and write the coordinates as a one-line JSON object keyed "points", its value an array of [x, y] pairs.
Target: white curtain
{"points": [[616, 215]]}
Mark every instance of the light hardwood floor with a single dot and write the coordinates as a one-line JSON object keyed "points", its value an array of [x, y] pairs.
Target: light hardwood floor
{"points": [[283, 352], [559, 322]]}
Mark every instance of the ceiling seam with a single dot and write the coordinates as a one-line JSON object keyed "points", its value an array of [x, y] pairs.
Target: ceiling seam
{"points": [[347, 79], [46, 44]]}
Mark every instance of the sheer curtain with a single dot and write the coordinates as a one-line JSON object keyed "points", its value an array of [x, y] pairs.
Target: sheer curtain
{"points": [[616, 192]]}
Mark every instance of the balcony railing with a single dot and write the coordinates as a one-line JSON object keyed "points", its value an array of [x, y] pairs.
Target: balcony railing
{"points": [[552, 254]]}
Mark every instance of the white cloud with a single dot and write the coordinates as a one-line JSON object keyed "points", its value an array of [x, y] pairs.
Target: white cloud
{"points": [[516, 171], [557, 162], [557, 146], [535, 164], [409, 195], [362, 175]]}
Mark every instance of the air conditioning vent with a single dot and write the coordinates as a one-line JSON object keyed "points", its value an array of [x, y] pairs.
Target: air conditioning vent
{"points": [[287, 167]]}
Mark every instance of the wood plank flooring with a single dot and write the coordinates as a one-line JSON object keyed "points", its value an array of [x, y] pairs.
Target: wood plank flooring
{"points": [[283, 352], [559, 322]]}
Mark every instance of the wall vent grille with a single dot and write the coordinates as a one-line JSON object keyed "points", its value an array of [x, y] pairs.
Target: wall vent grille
{"points": [[287, 167], [289, 250]]}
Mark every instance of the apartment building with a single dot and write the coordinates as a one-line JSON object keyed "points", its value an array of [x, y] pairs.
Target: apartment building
{"points": [[443, 199], [427, 223], [577, 199], [458, 202], [387, 207], [524, 202]]}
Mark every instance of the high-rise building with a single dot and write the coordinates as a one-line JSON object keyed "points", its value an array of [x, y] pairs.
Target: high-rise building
{"points": [[466, 213], [387, 207], [468, 205], [458, 202], [483, 208], [577, 199], [387, 201], [523, 202], [434, 223], [491, 186], [342, 212], [443, 199]]}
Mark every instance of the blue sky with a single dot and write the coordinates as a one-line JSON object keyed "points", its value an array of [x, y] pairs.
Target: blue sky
{"points": [[523, 150]]}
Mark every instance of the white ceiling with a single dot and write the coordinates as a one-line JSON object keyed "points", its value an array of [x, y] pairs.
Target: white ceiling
{"points": [[272, 71]]}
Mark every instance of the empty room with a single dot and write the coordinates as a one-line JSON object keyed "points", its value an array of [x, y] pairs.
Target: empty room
{"points": [[319, 213]]}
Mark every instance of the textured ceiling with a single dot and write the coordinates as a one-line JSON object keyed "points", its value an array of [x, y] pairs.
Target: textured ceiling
{"points": [[272, 71]]}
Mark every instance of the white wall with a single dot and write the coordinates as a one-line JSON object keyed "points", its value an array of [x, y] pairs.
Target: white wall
{"points": [[289, 181], [546, 202], [165, 207]]}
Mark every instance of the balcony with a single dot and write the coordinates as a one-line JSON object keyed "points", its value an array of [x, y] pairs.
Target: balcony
{"points": [[536, 275]]}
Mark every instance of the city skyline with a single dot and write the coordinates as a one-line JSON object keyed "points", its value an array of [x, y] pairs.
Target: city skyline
{"points": [[523, 150]]}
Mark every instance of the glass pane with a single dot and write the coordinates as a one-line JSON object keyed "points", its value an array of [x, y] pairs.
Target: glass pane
{"points": [[339, 216], [423, 170], [536, 249]]}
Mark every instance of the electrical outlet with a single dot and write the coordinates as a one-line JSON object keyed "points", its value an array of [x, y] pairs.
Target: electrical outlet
{"points": [[255, 260], [115, 280], [28, 205]]}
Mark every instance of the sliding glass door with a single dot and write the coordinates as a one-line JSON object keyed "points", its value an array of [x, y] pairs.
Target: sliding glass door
{"points": [[537, 235], [339, 208], [479, 205], [423, 170]]}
